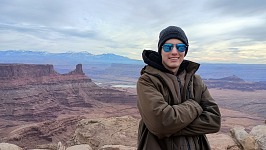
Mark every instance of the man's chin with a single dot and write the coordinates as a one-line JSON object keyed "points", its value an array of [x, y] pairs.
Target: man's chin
{"points": [[174, 66]]}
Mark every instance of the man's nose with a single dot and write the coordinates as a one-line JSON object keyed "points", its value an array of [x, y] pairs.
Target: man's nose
{"points": [[175, 50]]}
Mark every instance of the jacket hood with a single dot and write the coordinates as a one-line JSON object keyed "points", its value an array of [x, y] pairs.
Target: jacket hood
{"points": [[154, 59]]}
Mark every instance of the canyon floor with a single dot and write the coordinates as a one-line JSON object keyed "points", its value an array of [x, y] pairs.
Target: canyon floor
{"points": [[233, 106], [238, 108]]}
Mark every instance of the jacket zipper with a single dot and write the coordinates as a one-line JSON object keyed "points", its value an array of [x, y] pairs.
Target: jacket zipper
{"points": [[172, 143], [180, 85], [188, 92], [163, 82]]}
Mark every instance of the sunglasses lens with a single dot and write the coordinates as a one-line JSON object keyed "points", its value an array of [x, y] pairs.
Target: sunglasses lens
{"points": [[181, 47], [167, 47]]}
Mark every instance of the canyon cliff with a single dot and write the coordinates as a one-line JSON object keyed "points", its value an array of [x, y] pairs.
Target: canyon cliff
{"points": [[18, 75], [37, 94]]}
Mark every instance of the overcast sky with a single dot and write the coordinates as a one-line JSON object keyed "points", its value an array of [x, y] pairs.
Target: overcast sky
{"points": [[219, 31]]}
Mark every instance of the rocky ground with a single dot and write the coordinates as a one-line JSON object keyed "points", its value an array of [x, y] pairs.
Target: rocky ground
{"points": [[43, 111], [63, 128], [120, 133]]}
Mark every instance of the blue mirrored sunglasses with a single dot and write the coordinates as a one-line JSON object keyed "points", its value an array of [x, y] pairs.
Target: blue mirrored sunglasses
{"points": [[167, 47]]}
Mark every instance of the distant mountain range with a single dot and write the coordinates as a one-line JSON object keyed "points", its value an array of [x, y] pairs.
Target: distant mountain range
{"points": [[68, 58], [106, 65]]}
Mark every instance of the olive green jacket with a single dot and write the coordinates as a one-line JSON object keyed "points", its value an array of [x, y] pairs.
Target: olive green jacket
{"points": [[177, 111]]}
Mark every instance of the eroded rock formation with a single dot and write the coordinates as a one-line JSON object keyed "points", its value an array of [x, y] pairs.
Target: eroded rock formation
{"points": [[120, 133], [107, 131], [15, 71], [18, 75], [37, 94], [43, 133]]}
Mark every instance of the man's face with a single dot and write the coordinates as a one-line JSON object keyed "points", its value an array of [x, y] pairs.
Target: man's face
{"points": [[172, 59]]}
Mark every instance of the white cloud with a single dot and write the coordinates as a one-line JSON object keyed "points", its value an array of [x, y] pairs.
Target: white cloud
{"points": [[127, 27]]}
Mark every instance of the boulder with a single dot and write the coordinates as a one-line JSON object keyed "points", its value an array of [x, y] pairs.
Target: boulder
{"points": [[117, 147], [239, 134], [39, 149], [7, 146], [60, 146], [220, 141], [259, 134], [80, 147], [107, 131], [255, 140]]}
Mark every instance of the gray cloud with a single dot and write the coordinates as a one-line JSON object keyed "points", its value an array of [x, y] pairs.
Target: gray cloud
{"points": [[238, 8], [126, 26], [32, 12], [254, 33]]}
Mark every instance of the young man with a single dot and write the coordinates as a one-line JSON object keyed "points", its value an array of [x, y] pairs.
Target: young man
{"points": [[175, 105]]}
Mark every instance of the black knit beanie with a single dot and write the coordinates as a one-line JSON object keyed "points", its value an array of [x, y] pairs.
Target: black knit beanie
{"points": [[172, 32]]}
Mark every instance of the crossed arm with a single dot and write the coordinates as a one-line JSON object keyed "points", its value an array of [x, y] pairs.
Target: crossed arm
{"points": [[188, 118]]}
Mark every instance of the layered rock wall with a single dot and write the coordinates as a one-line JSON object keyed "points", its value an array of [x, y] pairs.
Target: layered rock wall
{"points": [[17, 75], [32, 94], [15, 71], [37, 93]]}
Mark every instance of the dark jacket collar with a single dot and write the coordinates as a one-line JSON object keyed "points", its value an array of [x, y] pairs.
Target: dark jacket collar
{"points": [[154, 59]]}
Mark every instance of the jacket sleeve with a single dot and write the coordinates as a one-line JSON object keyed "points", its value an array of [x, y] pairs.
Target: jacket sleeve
{"points": [[162, 119], [209, 120]]}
